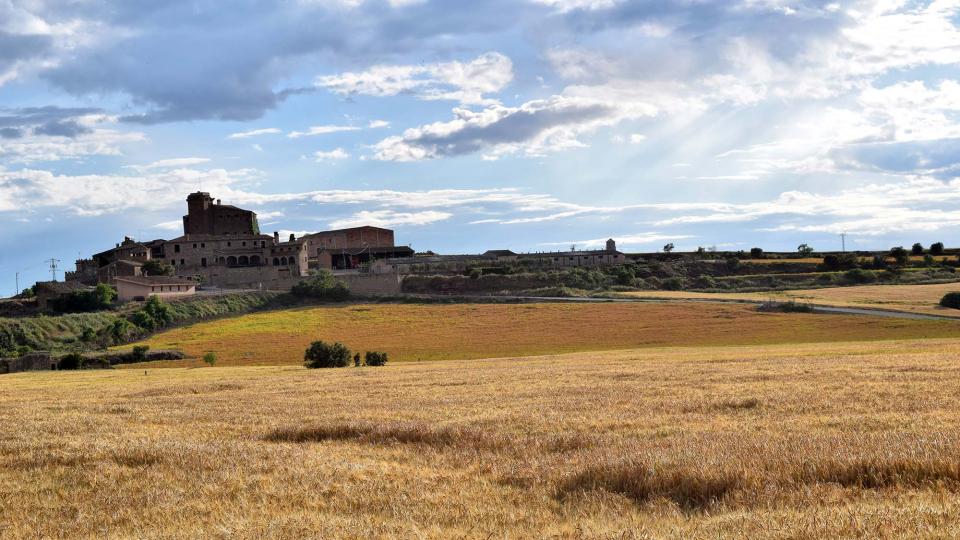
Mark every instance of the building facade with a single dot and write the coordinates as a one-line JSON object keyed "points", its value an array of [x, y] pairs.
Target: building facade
{"points": [[141, 288]]}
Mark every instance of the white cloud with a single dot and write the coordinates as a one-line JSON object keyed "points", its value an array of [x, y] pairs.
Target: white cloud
{"points": [[570, 5], [320, 130], [171, 163], [253, 133], [390, 218], [173, 225], [466, 82], [99, 142], [336, 154], [377, 124], [534, 129]]}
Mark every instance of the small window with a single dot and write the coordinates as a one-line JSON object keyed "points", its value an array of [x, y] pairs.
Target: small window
{"points": [[194, 246], [228, 244], [244, 244], [203, 246], [203, 263], [176, 248], [181, 262]]}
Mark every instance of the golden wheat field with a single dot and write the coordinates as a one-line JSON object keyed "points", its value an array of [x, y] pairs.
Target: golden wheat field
{"points": [[774, 441], [411, 332], [922, 299]]}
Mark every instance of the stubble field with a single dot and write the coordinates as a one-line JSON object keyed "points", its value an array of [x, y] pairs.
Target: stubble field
{"points": [[922, 299], [412, 332], [776, 441]]}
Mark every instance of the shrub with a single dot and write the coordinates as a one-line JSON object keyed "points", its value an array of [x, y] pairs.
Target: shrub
{"points": [[70, 362], [859, 275], [324, 355], [475, 273], [839, 261], [156, 267], [756, 253], [706, 281], [951, 300], [139, 353], [928, 260], [356, 360], [374, 358], [804, 250], [210, 359], [322, 285], [936, 249], [917, 249], [673, 284], [100, 298], [154, 314]]}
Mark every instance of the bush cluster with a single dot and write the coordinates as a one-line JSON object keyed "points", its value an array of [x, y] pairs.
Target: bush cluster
{"points": [[321, 354], [321, 285], [102, 297], [951, 300]]}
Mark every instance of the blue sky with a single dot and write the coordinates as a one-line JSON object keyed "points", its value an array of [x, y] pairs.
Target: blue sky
{"points": [[525, 124]]}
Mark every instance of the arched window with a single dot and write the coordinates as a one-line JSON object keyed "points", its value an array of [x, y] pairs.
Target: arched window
{"points": [[292, 261], [255, 260], [231, 261], [243, 260], [283, 261], [276, 261]]}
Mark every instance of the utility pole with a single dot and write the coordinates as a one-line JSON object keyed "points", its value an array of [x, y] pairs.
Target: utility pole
{"points": [[17, 291], [53, 267], [843, 241]]}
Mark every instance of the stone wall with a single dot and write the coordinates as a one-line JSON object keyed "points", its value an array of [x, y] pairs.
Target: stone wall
{"points": [[372, 284], [35, 361]]}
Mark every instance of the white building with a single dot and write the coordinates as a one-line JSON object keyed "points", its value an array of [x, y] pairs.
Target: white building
{"points": [[142, 287]]}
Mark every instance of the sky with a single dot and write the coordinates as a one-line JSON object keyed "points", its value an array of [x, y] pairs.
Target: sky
{"points": [[465, 126]]}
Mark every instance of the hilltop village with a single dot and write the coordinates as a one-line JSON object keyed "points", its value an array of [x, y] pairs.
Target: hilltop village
{"points": [[222, 247]]}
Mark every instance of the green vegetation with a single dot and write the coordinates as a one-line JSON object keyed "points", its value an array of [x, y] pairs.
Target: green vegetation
{"points": [[323, 286], [324, 355], [100, 298], [374, 358], [951, 300], [156, 267], [210, 359], [100, 329]]}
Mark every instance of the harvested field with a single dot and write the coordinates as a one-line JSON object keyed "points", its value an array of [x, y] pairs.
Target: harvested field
{"points": [[789, 441], [910, 298], [411, 332]]}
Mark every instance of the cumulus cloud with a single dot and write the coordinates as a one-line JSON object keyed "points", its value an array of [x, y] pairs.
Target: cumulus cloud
{"points": [[466, 82], [534, 128]]}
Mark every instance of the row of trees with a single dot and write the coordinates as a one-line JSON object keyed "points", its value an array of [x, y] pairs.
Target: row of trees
{"points": [[321, 354]]}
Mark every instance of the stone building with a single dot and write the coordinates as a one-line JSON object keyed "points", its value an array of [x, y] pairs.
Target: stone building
{"points": [[356, 247], [141, 288], [222, 246]]}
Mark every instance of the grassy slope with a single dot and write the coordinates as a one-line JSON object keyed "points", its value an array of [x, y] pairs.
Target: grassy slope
{"points": [[62, 332], [910, 298], [430, 332], [809, 441]]}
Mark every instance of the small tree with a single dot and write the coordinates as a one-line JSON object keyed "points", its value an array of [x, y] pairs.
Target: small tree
{"points": [[804, 250], [324, 355], [156, 267], [917, 249], [936, 249], [374, 358], [756, 253], [70, 361], [139, 353], [356, 360], [900, 255], [210, 359], [668, 248]]}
